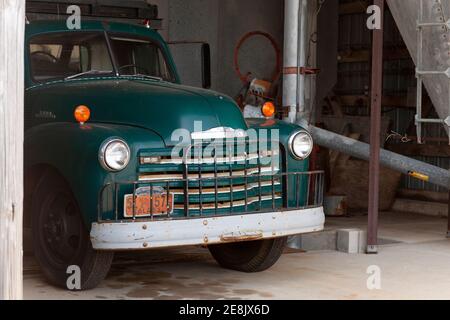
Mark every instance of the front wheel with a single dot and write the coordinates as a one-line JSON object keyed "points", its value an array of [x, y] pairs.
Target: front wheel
{"points": [[253, 256], [61, 239]]}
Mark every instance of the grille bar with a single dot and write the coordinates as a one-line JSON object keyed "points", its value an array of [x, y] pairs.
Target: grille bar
{"points": [[306, 192], [193, 176], [222, 160], [231, 204], [225, 190], [205, 188]]}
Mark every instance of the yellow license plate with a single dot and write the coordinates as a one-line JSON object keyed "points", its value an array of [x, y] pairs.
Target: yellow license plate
{"points": [[146, 205]]}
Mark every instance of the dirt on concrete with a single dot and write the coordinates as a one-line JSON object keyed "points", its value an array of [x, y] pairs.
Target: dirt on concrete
{"points": [[414, 265]]}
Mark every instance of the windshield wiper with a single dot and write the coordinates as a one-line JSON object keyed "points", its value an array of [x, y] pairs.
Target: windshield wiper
{"points": [[90, 72]]}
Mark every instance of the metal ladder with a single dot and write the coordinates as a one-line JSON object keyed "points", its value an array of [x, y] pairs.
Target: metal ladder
{"points": [[420, 72]]}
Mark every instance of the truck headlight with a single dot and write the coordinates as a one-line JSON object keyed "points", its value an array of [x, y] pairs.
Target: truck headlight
{"points": [[114, 155], [301, 145]]}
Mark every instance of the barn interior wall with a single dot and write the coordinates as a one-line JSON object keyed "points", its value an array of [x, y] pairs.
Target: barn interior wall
{"points": [[222, 24], [352, 84], [342, 56]]}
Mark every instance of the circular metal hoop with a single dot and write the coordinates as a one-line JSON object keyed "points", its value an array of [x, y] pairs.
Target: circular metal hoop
{"points": [[277, 71]]}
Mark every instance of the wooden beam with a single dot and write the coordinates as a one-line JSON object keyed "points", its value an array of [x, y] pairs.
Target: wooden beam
{"points": [[354, 100], [425, 150], [363, 101], [423, 195], [352, 56], [355, 7], [335, 106], [12, 24]]}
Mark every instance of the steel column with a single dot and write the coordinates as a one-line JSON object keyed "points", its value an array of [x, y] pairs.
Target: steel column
{"points": [[302, 48], [375, 133], [291, 54], [448, 217]]}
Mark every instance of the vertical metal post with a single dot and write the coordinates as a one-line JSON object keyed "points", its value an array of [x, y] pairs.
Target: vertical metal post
{"points": [[291, 46], [418, 75], [375, 133], [448, 228], [302, 48]]}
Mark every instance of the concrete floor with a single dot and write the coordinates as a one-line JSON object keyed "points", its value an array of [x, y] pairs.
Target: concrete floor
{"points": [[414, 265]]}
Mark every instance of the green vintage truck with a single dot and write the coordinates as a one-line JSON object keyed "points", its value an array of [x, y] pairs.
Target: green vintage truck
{"points": [[103, 104]]}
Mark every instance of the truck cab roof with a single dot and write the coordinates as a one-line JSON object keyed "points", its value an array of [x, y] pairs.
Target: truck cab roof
{"points": [[49, 26]]}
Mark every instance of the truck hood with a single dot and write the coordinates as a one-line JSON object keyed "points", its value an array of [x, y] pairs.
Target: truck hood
{"points": [[158, 106]]}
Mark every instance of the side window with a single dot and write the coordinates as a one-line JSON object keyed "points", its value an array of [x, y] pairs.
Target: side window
{"points": [[84, 59], [57, 56], [51, 60], [44, 58], [140, 56], [46, 51], [79, 59], [163, 68], [152, 59], [75, 62]]}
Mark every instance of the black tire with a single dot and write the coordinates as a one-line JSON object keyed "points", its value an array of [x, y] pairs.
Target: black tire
{"points": [[61, 239], [252, 256]]}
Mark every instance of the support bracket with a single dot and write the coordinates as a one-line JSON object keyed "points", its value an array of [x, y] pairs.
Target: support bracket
{"points": [[372, 250]]}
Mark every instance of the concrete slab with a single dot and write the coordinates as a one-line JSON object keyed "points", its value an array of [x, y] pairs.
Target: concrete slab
{"points": [[352, 241], [413, 265], [320, 241], [397, 227], [434, 209]]}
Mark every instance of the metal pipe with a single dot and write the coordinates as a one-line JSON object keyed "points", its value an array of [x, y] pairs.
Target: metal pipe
{"points": [[448, 217], [430, 120], [388, 159], [291, 43], [302, 47], [375, 133]]}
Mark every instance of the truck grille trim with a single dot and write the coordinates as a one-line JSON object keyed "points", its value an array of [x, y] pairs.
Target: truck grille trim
{"points": [[224, 190], [193, 176], [302, 190], [219, 160], [228, 205], [204, 189]]}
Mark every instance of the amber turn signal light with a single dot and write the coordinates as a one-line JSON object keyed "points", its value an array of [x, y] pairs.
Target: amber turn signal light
{"points": [[268, 109], [82, 114]]}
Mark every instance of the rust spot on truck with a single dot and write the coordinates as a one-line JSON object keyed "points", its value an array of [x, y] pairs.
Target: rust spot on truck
{"points": [[241, 237]]}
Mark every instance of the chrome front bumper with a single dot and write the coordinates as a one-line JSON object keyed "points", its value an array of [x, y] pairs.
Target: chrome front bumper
{"points": [[204, 231]]}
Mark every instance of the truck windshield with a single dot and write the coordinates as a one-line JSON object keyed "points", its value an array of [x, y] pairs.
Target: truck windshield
{"points": [[136, 56], [59, 56], [86, 54]]}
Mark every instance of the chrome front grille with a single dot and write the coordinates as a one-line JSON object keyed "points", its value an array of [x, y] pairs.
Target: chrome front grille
{"points": [[238, 183], [234, 180], [146, 177]]}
